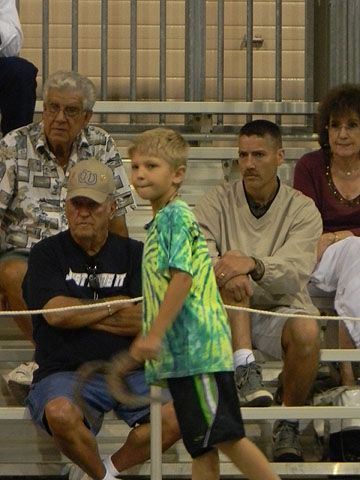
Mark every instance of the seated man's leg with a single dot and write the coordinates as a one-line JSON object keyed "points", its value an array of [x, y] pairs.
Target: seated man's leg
{"points": [[300, 342], [296, 341], [12, 272], [17, 92], [54, 408], [13, 268], [248, 376], [346, 342]]}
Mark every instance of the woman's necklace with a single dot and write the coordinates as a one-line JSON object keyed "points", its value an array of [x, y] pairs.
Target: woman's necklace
{"points": [[346, 172], [355, 202]]}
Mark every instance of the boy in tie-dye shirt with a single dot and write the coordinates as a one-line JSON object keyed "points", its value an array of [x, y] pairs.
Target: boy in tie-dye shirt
{"points": [[186, 335]]}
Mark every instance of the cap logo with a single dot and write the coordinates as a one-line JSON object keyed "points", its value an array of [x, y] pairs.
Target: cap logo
{"points": [[90, 178]]}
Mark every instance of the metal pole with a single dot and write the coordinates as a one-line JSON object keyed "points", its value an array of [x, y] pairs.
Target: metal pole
{"points": [[249, 54], [188, 52], [200, 50], [353, 41], [74, 35], [104, 48], [338, 52], [133, 47], [195, 55], [309, 58], [45, 40], [220, 57], [195, 21], [162, 72], [155, 435], [189, 74], [278, 56]]}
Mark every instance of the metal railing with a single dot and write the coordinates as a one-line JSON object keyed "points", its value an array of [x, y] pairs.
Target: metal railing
{"points": [[195, 74]]}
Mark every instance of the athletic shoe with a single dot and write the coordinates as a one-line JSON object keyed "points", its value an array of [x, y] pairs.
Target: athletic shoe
{"points": [[75, 473], [20, 379], [286, 442], [250, 388]]}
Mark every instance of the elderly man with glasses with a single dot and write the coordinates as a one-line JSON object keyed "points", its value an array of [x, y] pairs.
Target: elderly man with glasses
{"points": [[35, 161], [84, 265]]}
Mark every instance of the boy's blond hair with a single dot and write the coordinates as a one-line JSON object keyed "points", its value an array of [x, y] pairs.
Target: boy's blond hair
{"points": [[163, 143]]}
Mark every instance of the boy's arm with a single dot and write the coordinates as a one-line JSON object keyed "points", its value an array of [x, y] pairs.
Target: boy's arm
{"points": [[148, 347]]}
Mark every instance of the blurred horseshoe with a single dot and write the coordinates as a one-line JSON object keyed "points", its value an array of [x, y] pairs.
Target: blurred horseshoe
{"points": [[119, 367], [115, 372]]}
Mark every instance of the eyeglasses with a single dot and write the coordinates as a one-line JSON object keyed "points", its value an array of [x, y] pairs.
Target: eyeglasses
{"points": [[69, 111], [93, 280], [350, 127]]}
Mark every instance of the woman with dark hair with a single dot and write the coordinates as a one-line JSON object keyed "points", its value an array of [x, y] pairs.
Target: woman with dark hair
{"points": [[331, 177]]}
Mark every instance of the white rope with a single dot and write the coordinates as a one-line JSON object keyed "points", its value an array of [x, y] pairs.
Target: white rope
{"points": [[139, 299], [294, 314], [18, 313]]}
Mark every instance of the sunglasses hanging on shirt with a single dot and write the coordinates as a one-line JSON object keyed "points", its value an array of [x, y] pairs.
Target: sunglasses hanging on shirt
{"points": [[93, 280]]}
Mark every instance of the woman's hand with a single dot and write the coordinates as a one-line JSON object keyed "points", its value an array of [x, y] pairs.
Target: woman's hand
{"points": [[329, 238]]}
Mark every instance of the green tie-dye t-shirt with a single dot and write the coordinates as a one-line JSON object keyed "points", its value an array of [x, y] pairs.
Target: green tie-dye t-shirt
{"points": [[199, 339]]}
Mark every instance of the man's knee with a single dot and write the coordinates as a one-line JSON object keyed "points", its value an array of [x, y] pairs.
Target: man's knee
{"points": [[61, 415], [12, 273], [302, 334]]}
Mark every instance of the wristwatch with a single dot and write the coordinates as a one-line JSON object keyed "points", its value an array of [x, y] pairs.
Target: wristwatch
{"points": [[258, 271]]}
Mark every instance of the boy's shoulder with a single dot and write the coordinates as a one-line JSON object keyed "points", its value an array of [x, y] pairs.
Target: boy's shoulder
{"points": [[177, 220], [177, 206], [176, 212]]}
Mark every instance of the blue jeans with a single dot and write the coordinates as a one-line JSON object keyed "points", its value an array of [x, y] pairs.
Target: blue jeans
{"points": [[94, 393]]}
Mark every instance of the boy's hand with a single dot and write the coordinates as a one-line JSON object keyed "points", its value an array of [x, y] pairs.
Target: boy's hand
{"points": [[145, 348]]}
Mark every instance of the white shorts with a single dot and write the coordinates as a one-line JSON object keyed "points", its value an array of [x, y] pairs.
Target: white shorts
{"points": [[266, 330], [338, 272]]}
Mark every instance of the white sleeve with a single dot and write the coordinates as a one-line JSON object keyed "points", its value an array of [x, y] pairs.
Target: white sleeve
{"points": [[10, 29]]}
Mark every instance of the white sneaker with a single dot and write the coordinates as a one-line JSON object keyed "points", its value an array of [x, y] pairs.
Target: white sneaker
{"points": [[75, 473], [20, 379], [22, 374]]}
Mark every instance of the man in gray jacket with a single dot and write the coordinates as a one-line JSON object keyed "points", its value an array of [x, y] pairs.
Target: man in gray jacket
{"points": [[262, 236]]}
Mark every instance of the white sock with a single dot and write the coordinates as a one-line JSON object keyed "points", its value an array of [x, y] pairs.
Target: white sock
{"points": [[243, 356], [108, 476], [110, 467]]}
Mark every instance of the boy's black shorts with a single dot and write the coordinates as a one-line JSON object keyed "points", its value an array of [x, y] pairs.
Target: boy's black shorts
{"points": [[207, 409]]}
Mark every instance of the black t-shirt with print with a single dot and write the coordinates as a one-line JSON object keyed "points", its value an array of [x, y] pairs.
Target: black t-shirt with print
{"points": [[59, 267]]}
